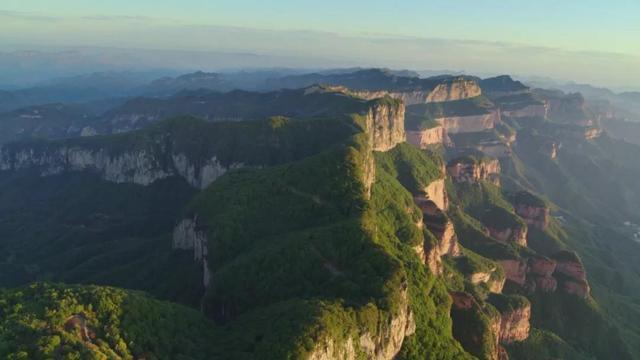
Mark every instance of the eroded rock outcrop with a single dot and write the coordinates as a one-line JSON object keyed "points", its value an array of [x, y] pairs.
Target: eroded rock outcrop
{"points": [[458, 89], [471, 123], [570, 274], [187, 236], [427, 137], [77, 324], [471, 327], [515, 323], [447, 90], [385, 124], [432, 205], [515, 270], [493, 282], [441, 227], [136, 166], [532, 210], [472, 170], [437, 193], [383, 345], [517, 235], [540, 271]]}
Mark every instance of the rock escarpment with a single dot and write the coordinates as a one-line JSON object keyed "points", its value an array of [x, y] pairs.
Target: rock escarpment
{"points": [[458, 88], [472, 170], [384, 123], [437, 193], [494, 282], [432, 205], [470, 123], [424, 138], [477, 332], [136, 166], [562, 272], [515, 317], [385, 344], [540, 274], [571, 275], [515, 270], [532, 210], [517, 235], [188, 236]]}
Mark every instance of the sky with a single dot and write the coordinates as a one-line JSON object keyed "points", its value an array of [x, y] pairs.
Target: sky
{"points": [[586, 40]]}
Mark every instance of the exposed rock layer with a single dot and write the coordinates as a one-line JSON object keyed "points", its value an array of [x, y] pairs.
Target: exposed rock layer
{"points": [[138, 167], [472, 171], [424, 138], [469, 124]]}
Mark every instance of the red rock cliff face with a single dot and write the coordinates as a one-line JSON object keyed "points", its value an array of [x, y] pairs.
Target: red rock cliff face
{"points": [[515, 270], [570, 274], [540, 273], [537, 216], [472, 171], [442, 228], [517, 235], [424, 138], [465, 313], [515, 325]]}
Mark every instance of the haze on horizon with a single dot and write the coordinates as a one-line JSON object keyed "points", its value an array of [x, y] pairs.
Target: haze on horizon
{"points": [[590, 41]]}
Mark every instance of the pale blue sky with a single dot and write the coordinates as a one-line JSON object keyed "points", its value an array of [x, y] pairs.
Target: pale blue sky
{"points": [[587, 40], [600, 25]]}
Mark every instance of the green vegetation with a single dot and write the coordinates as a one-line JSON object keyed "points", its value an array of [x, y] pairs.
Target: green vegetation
{"points": [[352, 254], [543, 344], [414, 169], [45, 321]]}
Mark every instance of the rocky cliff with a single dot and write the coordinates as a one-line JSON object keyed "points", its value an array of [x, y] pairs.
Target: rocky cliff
{"points": [[442, 229], [437, 193], [187, 236], [516, 235], [471, 123], [515, 270], [515, 316], [571, 275], [142, 166], [425, 138], [563, 272], [445, 90], [472, 170], [540, 274], [384, 122], [458, 89], [384, 344], [532, 210]]}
